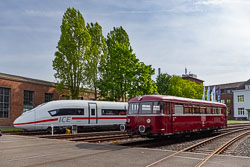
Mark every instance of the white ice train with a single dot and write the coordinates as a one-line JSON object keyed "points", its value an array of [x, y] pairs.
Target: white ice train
{"points": [[67, 113]]}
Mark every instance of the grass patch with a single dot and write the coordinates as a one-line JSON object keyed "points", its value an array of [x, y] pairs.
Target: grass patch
{"points": [[10, 129], [234, 121]]}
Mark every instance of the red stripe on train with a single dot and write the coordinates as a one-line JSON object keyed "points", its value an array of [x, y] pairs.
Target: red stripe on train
{"points": [[35, 122], [73, 118], [77, 118]]}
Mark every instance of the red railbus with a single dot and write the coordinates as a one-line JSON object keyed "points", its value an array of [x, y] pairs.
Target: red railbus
{"points": [[153, 115]]}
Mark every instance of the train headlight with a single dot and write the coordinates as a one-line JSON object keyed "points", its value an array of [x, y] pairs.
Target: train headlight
{"points": [[148, 121], [142, 128], [122, 128], [128, 120]]}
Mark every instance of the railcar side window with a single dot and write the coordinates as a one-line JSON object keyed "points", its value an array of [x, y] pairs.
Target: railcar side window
{"points": [[215, 110], [67, 111], [145, 108], [157, 108], [208, 110], [133, 108], [188, 110], [196, 110], [219, 110], [53, 112], [203, 110], [113, 112], [178, 109]]}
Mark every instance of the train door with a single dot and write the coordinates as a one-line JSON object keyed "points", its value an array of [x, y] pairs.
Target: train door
{"points": [[167, 112], [93, 113]]}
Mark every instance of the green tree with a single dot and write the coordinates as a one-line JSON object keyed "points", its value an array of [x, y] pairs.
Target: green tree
{"points": [[122, 75], [97, 52], [176, 86], [73, 49], [163, 83]]}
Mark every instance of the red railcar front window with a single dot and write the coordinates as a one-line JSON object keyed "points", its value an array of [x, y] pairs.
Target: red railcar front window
{"points": [[146, 108], [133, 108]]}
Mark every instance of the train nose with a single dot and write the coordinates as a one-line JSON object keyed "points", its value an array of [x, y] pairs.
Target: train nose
{"points": [[25, 121], [18, 123]]}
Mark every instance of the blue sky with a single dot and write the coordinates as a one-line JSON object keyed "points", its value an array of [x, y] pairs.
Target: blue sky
{"points": [[209, 37]]}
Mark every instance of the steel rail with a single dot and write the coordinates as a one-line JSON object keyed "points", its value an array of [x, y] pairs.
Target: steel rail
{"points": [[97, 138], [195, 146], [222, 148]]}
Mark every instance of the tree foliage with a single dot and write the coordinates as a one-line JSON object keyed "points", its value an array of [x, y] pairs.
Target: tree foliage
{"points": [[176, 86], [73, 49], [97, 52], [122, 75]]}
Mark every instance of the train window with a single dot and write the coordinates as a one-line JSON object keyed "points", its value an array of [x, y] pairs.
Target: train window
{"points": [[157, 108], [113, 112], [133, 108], [92, 111], [196, 110], [67, 111], [219, 110], [79, 111], [178, 108], [145, 108], [208, 110], [188, 109], [53, 112], [215, 110], [203, 110]]}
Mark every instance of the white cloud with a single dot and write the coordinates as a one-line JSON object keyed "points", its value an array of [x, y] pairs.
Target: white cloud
{"points": [[211, 38], [41, 13]]}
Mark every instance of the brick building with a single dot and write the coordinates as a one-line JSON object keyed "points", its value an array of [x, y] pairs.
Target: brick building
{"points": [[226, 95], [191, 77], [18, 94]]}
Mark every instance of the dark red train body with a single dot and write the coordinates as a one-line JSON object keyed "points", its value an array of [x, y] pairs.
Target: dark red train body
{"points": [[154, 115]]}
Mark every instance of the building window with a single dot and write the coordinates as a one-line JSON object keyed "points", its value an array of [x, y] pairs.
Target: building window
{"points": [[222, 101], [48, 97], [28, 100], [241, 98], [241, 111], [4, 102], [247, 87], [228, 101]]}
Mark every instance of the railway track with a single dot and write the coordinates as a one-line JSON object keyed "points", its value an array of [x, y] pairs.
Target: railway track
{"points": [[223, 147], [26, 133], [94, 137], [217, 150]]}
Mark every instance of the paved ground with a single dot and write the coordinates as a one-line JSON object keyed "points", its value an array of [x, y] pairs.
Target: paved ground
{"points": [[23, 151]]}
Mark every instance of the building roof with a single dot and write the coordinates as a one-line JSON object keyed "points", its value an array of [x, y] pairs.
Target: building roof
{"points": [[242, 86], [187, 77], [229, 85], [24, 79]]}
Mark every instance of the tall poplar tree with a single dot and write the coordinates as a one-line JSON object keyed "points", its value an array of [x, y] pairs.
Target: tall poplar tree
{"points": [[73, 49], [97, 52], [122, 75]]}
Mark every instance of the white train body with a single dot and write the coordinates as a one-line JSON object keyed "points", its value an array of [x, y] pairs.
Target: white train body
{"points": [[66, 113]]}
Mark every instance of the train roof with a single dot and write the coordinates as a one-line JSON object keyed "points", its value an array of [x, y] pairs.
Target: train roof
{"points": [[174, 99], [82, 102]]}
